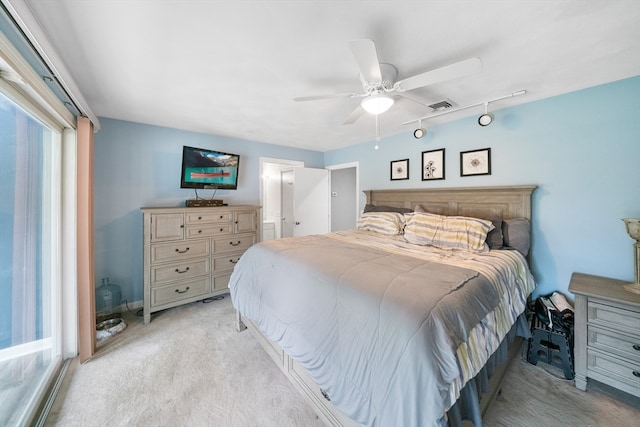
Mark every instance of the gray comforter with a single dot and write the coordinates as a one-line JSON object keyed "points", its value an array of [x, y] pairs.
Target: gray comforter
{"points": [[390, 333]]}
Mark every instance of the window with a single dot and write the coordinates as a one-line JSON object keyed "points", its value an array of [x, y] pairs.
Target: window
{"points": [[30, 190]]}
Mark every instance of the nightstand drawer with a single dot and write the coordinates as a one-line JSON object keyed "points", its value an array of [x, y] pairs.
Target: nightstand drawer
{"points": [[179, 271], [612, 370], [613, 317], [625, 346], [179, 291], [179, 250]]}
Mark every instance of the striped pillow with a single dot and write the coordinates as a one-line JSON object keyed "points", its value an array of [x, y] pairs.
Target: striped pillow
{"points": [[382, 222], [447, 232]]}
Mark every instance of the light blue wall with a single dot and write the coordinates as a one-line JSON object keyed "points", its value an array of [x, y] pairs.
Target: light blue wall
{"points": [[139, 165], [582, 149]]}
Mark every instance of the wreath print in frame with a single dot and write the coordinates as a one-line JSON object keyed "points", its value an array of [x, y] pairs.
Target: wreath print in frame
{"points": [[476, 162], [433, 165], [399, 169]]}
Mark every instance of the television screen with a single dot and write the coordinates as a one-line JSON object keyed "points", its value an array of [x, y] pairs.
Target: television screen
{"points": [[209, 169]]}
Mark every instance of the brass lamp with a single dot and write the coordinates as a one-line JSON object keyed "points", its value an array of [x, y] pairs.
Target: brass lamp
{"points": [[633, 228]]}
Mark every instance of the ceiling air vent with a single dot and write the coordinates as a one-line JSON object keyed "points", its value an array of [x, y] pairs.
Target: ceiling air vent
{"points": [[443, 105]]}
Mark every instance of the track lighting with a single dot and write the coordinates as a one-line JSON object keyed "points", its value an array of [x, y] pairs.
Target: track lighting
{"points": [[484, 120], [420, 132], [487, 118], [377, 103]]}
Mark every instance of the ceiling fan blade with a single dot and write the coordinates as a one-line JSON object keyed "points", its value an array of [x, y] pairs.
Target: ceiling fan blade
{"points": [[412, 97], [330, 96], [448, 72], [355, 115], [364, 50]]}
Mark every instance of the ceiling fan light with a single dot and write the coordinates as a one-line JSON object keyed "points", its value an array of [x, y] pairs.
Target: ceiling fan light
{"points": [[486, 119], [377, 104]]}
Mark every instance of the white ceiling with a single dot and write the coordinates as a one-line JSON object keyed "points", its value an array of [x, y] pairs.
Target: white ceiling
{"points": [[233, 68]]}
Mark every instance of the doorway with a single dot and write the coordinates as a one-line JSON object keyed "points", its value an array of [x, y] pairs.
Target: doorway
{"points": [[343, 180], [345, 196], [271, 195]]}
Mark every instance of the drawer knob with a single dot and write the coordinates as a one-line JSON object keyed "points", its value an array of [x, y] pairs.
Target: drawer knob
{"points": [[199, 217], [235, 244], [636, 347], [221, 216], [182, 271], [221, 230], [636, 374], [182, 292], [199, 231], [182, 252]]}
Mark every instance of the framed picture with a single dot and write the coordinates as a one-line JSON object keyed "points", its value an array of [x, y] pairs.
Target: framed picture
{"points": [[433, 164], [476, 162], [399, 169]]}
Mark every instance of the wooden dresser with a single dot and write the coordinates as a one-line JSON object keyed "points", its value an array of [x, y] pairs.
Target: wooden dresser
{"points": [[189, 253], [606, 333]]}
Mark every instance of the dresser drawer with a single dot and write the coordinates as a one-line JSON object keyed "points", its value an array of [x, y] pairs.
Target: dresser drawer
{"points": [[617, 318], [209, 230], [208, 217], [161, 295], [236, 243], [179, 250], [221, 282], [225, 262], [608, 341], [614, 371], [179, 271]]}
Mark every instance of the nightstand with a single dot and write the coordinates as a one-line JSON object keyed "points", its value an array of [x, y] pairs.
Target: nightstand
{"points": [[606, 333]]}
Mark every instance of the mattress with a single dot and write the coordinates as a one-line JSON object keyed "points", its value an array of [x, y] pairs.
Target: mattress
{"points": [[390, 331]]}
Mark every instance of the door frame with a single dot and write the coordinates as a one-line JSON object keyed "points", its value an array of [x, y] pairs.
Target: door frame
{"points": [[349, 165], [284, 163]]}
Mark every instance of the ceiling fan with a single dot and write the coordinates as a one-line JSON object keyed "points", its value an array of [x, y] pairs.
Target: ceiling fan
{"points": [[379, 80]]}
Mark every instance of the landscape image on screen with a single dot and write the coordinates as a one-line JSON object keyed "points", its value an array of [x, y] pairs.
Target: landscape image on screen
{"points": [[210, 168]]}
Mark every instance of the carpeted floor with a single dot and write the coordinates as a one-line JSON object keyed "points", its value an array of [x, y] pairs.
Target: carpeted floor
{"points": [[189, 367]]}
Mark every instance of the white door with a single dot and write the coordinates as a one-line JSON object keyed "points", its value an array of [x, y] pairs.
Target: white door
{"points": [[305, 202]]}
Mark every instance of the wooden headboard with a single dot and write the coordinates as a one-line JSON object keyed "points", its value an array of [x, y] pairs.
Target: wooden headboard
{"points": [[480, 202]]}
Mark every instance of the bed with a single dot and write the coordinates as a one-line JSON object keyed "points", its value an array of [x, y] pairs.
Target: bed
{"points": [[394, 323]]}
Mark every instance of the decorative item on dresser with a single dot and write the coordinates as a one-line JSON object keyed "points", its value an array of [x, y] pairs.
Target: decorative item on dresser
{"points": [[189, 253], [606, 333]]}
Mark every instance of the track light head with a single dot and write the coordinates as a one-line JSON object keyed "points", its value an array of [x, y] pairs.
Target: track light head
{"points": [[486, 119], [419, 133]]}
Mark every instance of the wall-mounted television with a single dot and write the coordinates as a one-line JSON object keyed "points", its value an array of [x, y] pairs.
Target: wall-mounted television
{"points": [[209, 169]]}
